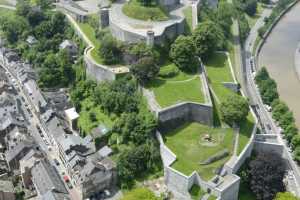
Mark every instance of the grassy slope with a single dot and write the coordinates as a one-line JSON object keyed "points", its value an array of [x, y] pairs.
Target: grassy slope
{"points": [[188, 17], [252, 19], [90, 33], [135, 10], [169, 93], [184, 142], [219, 71], [4, 2]]}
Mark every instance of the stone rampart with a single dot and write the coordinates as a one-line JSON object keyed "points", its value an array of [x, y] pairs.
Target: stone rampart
{"points": [[176, 115], [97, 72]]}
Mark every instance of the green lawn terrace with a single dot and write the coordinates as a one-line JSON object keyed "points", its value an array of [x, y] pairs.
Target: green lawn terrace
{"points": [[152, 12], [173, 86], [219, 70], [190, 145]]}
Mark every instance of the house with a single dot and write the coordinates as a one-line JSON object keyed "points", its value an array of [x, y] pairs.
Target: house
{"points": [[31, 40], [89, 172], [105, 152], [96, 176], [55, 129], [46, 178], [72, 117], [7, 191], [35, 95], [99, 131], [26, 165], [69, 46], [17, 149]]}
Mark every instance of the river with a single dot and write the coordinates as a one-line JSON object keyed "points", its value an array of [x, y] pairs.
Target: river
{"points": [[277, 55]]}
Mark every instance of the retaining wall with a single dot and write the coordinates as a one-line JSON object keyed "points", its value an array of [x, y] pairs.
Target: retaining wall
{"points": [[99, 73]]}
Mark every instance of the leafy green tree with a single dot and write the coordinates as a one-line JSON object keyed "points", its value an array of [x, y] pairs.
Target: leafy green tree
{"points": [[145, 69], [183, 54], [268, 91], [224, 14], [23, 8], [278, 110], [295, 141], [267, 171], [208, 37], [250, 7], [234, 109], [290, 131], [285, 196], [109, 50], [243, 27], [286, 120], [296, 154], [13, 27], [141, 50], [261, 75]]}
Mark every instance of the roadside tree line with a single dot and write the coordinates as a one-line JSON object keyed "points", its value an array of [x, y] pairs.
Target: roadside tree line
{"points": [[280, 111]]}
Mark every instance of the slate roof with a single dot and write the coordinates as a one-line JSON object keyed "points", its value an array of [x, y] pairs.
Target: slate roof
{"points": [[46, 178]]}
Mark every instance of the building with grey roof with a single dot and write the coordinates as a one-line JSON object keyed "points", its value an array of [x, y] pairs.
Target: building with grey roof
{"points": [[7, 191], [69, 46], [31, 40], [52, 195], [46, 178], [35, 95], [89, 172]]}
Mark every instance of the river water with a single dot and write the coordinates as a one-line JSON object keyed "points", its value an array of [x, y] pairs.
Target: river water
{"points": [[277, 55]]}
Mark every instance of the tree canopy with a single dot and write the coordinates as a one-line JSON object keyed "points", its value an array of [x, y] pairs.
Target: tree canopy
{"points": [[183, 54], [234, 109], [267, 171]]}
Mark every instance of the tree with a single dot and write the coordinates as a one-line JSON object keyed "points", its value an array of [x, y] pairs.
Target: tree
{"points": [[183, 54], [224, 14], [250, 7], [296, 154], [22, 8], [285, 196], [208, 37], [268, 91], [243, 27], [279, 109], [262, 74], [267, 171], [109, 50], [145, 69], [295, 141], [290, 131], [286, 120], [234, 109]]}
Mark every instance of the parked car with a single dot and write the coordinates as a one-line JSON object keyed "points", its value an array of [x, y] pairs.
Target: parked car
{"points": [[56, 162]]}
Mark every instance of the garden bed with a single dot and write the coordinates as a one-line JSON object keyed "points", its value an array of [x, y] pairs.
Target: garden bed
{"points": [[188, 144], [173, 89]]}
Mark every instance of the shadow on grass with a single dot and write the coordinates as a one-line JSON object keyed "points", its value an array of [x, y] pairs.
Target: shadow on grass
{"points": [[155, 83], [216, 60]]}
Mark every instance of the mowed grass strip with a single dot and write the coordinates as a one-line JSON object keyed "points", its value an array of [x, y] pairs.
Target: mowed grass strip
{"points": [[180, 88], [136, 10], [185, 142], [90, 32], [218, 71]]}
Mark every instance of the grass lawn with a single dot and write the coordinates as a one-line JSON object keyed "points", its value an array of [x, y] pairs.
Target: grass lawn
{"points": [[218, 70], [4, 2], [139, 194], [89, 31], [188, 17], [85, 123], [190, 150], [4, 11], [179, 88], [135, 10]]}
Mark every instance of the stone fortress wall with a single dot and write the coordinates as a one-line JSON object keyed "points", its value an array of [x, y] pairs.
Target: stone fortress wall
{"points": [[227, 187]]}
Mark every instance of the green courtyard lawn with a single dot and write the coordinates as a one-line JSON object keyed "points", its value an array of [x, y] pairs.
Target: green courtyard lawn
{"points": [[86, 123], [139, 194], [188, 18], [4, 2], [179, 88], [218, 71], [187, 144], [135, 10]]}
